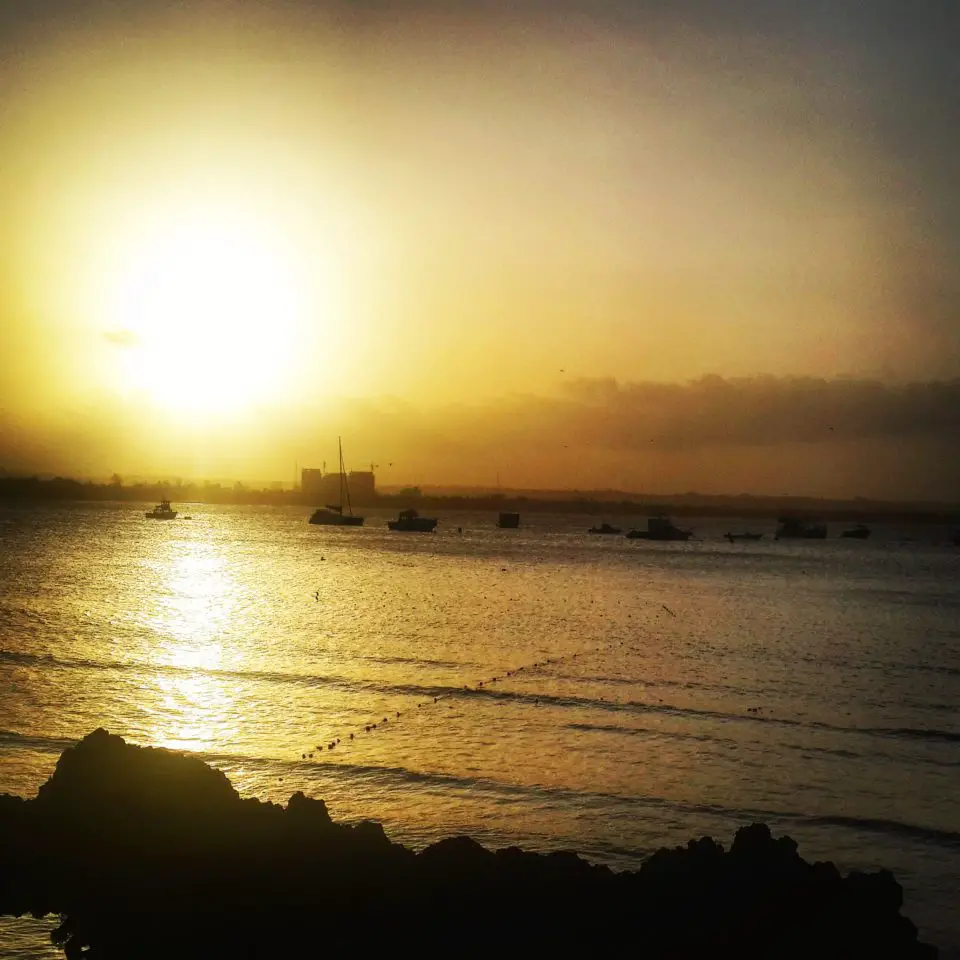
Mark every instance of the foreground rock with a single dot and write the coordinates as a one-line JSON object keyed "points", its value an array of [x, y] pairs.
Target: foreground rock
{"points": [[148, 854]]}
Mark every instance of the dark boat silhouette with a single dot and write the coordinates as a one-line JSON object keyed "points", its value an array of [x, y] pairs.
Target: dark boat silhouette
{"points": [[162, 511], [660, 528], [745, 535], [411, 521], [859, 532], [604, 528], [332, 515], [508, 521], [799, 528]]}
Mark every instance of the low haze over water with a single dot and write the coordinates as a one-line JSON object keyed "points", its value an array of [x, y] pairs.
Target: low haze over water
{"points": [[634, 694]]}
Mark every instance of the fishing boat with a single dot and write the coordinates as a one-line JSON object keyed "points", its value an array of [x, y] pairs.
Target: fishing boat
{"points": [[799, 528], [859, 532], [162, 511], [332, 515], [745, 535], [604, 528], [660, 528], [508, 521], [411, 521]]}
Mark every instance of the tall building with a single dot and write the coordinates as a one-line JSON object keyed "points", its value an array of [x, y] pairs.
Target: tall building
{"points": [[363, 486], [311, 484], [322, 488]]}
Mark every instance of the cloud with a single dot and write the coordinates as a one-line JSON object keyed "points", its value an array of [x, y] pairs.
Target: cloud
{"points": [[121, 338], [758, 411], [760, 435]]}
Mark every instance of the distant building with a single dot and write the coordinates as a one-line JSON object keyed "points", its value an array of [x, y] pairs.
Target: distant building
{"points": [[321, 488], [363, 486], [311, 484]]}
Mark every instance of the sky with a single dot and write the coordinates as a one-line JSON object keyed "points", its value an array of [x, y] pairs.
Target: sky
{"points": [[706, 246]]}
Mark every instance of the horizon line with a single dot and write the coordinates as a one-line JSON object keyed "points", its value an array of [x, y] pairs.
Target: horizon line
{"points": [[477, 491]]}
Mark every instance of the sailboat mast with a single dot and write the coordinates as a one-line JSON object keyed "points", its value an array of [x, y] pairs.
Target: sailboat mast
{"points": [[343, 481]]}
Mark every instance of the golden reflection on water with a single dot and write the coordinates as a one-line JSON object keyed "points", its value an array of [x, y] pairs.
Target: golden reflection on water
{"points": [[192, 707]]}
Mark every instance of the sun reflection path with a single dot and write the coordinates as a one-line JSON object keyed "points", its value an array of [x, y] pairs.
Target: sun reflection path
{"points": [[478, 688], [193, 710]]}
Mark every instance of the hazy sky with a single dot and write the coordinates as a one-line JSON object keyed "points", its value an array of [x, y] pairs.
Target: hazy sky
{"points": [[513, 238]]}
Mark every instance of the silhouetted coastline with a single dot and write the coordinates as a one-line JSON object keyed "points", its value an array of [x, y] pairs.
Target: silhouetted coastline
{"points": [[147, 853], [15, 489]]}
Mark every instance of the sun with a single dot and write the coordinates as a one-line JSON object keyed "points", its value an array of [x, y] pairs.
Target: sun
{"points": [[211, 305]]}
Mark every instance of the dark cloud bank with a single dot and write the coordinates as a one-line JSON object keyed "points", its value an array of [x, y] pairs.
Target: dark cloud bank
{"points": [[803, 436], [760, 411], [841, 437]]}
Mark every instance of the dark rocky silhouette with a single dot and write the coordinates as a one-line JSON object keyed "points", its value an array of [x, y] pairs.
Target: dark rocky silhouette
{"points": [[147, 853]]}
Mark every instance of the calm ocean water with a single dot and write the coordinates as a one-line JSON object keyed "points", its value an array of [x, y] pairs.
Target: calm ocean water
{"points": [[690, 688]]}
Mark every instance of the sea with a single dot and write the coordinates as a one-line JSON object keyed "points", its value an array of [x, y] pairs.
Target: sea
{"points": [[541, 687]]}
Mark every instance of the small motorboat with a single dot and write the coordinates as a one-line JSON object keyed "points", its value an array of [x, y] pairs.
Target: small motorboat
{"points": [[162, 511], [660, 528], [411, 521], [745, 535], [800, 528], [604, 528], [859, 532]]}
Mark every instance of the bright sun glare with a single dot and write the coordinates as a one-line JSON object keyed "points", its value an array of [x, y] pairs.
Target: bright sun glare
{"points": [[213, 306]]}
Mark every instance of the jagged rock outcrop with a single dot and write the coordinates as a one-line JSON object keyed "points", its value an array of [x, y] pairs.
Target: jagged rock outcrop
{"points": [[147, 854]]}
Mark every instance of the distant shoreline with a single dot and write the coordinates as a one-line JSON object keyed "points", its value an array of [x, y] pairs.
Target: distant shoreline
{"points": [[597, 503]]}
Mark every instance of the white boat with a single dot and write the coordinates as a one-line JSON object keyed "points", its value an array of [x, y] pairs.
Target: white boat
{"points": [[162, 511]]}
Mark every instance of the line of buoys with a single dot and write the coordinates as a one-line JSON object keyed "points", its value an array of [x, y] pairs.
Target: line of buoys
{"points": [[483, 685], [480, 686]]}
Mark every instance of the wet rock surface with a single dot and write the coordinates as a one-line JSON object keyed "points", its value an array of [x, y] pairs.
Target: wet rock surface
{"points": [[148, 853]]}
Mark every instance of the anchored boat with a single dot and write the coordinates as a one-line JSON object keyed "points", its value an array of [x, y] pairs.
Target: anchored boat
{"points": [[162, 511], [332, 515], [660, 528], [411, 521]]}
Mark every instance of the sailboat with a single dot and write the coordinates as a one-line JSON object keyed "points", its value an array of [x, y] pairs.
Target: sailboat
{"points": [[332, 515]]}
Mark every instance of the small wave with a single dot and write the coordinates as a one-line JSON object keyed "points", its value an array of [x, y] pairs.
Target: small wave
{"points": [[445, 690], [913, 733], [269, 676], [930, 668], [26, 659], [893, 827], [41, 744], [646, 732], [420, 661], [829, 751]]}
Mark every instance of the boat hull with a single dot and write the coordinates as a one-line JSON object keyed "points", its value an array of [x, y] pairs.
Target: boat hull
{"points": [[663, 537], [150, 515], [418, 525], [800, 528], [335, 520]]}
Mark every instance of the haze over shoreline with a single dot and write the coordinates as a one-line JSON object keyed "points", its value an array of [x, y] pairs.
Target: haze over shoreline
{"points": [[468, 499]]}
